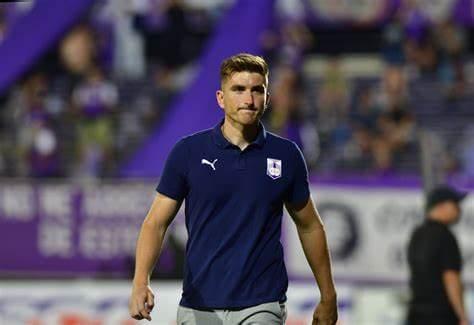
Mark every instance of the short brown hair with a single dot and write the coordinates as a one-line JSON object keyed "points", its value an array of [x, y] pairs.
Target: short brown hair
{"points": [[243, 62]]}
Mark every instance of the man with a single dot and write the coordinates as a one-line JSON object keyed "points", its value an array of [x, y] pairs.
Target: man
{"points": [[235, 179], [435, 263]]}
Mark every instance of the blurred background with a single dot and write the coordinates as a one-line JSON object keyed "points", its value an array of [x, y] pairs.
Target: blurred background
{"points": [[379, 94]]}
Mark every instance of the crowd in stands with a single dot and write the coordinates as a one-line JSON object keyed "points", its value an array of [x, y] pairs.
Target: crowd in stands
{"points": [[371, 123], [106, 85], [93, 98]]}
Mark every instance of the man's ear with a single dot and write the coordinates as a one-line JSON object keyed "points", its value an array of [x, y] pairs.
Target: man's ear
{"points": [[267, 102], [220, 98]]}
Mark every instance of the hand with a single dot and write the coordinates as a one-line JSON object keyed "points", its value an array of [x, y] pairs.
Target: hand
{"points": [[325, 313], [464, 321], [142, 301]]}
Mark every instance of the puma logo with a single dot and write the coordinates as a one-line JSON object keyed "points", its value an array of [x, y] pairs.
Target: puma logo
{"points": [[207, 162]]}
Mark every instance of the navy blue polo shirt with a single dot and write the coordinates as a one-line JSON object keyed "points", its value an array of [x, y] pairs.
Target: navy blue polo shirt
{"points": [[233, 206]]}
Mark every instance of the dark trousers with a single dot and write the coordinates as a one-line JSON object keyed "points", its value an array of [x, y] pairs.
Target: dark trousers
{"points": [[422, 319]]}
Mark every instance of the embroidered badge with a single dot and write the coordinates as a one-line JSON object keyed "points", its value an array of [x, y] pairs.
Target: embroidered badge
{"points": [[273, 168]]}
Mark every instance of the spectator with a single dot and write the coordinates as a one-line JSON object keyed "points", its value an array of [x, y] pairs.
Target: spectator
{"points": [[357, 153], [333, 98], [365, 112], [78, 50], [283, 100], [35, 143], [172, 32], [393, 38], [95, 100], [451, 42]]}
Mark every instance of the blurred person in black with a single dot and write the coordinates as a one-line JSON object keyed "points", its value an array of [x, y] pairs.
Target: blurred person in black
{"points": [[435, 263]]}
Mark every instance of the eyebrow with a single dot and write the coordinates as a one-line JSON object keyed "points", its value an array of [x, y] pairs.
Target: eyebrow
{"points": [[242, 87], [259, 88], [237, 87]]}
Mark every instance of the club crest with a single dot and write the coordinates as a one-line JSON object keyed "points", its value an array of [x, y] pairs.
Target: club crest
{"points": [[273, 168]]}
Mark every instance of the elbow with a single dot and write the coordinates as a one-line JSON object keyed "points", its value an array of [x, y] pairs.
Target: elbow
{"points": [[153, 225], [310, 227]]}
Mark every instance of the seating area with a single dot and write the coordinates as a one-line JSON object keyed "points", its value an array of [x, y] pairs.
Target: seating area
{"points": [[94, 98]]}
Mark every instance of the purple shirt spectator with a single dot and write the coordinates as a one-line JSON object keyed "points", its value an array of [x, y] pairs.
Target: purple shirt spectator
{"points": [[95, 97]]}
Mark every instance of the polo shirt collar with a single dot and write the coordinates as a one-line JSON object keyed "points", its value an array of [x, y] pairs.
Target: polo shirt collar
{"points": [[222, 142]]}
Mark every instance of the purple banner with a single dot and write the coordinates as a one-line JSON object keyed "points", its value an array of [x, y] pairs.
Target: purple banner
{"points": [[58, 229], [54, 230]]}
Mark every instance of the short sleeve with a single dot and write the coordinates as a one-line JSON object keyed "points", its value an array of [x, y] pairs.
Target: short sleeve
{"points": [[298, 190], [173, 179], [450, 254]]}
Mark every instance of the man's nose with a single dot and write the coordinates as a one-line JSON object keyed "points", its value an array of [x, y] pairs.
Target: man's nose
{"points": [[248, 98]]}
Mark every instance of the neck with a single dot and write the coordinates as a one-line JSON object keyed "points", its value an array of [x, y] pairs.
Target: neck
{"points": [[238, 134]]}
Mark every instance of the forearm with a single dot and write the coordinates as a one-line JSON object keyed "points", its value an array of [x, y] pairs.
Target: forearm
{"points": [[315, 247], [454, 291], [150, 241]]}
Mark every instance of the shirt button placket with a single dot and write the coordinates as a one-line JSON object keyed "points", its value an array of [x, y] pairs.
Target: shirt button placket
{"points": [[240, 162]]}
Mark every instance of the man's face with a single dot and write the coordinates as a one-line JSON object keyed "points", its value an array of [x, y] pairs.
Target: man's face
{"points": [[243, 97], [452, 211]]}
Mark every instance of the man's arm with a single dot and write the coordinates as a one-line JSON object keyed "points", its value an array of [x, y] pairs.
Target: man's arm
{"points": [[150, 240], [313, 239], [454, 289]]}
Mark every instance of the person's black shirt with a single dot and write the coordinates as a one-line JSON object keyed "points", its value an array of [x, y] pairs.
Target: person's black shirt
{"points": [[432, 250]]}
